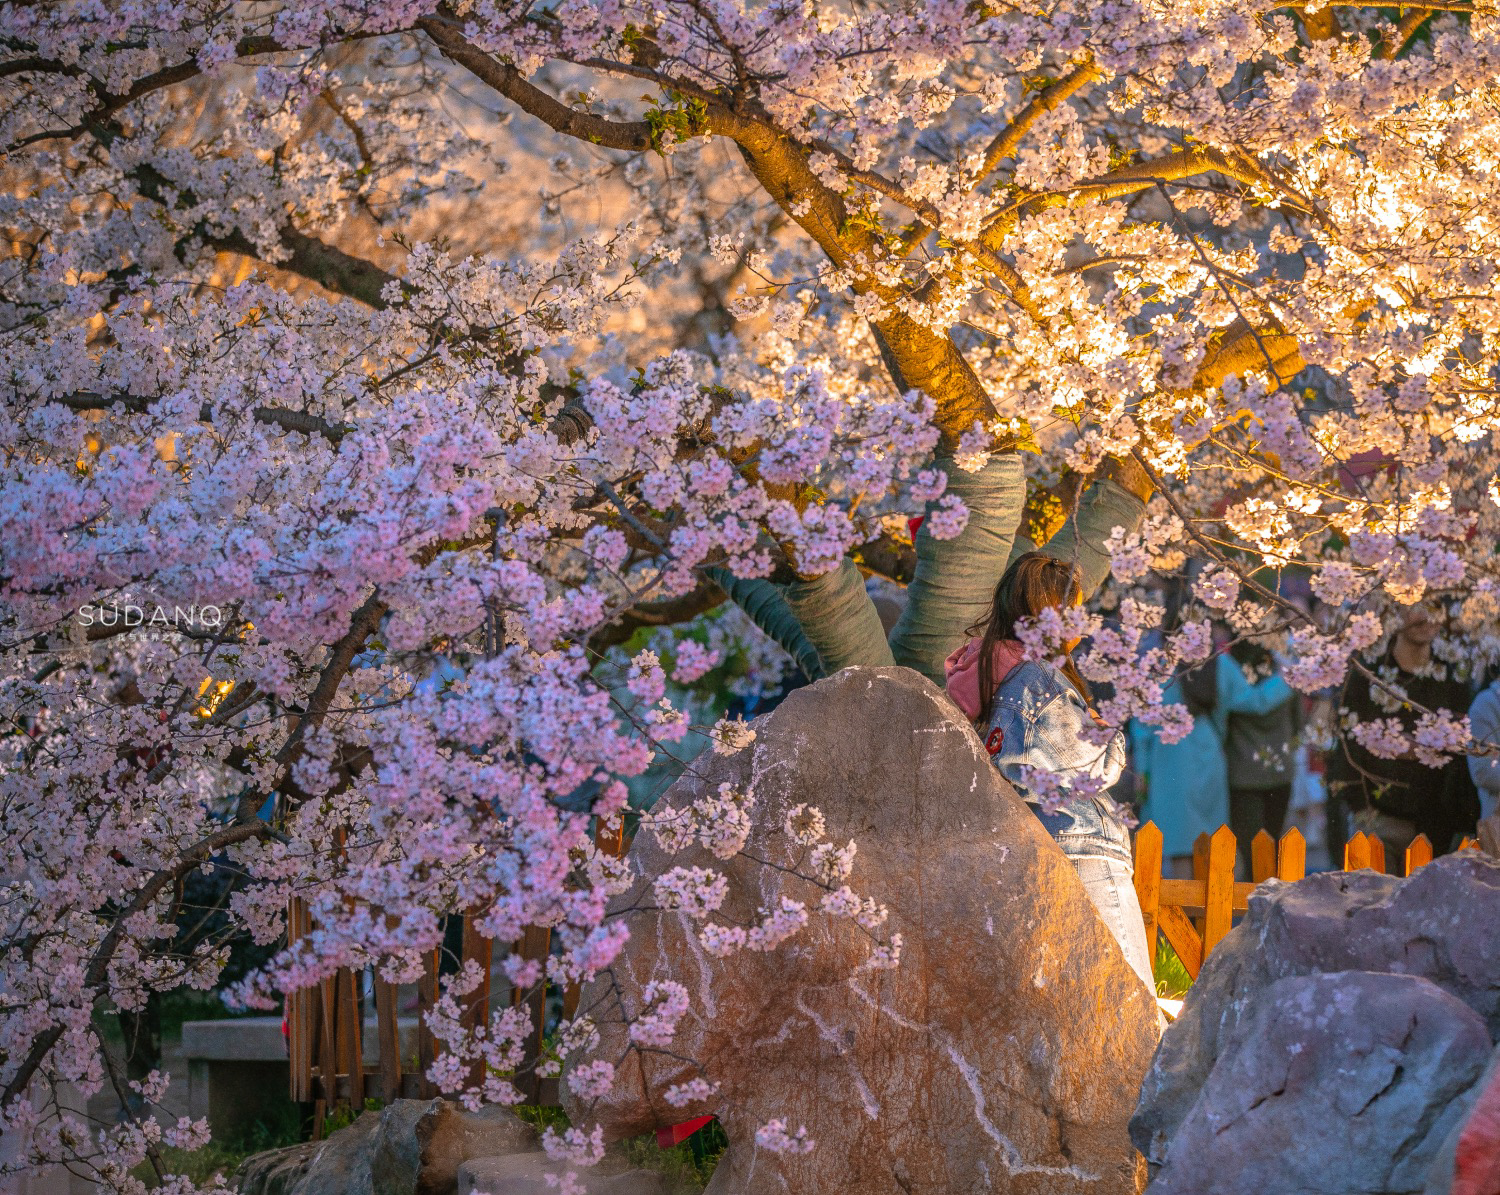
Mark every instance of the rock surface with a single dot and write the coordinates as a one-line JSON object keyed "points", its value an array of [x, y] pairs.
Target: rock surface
{"points": [[410, 1147], [1338, 1084], [1006, 1051], [527, 1174], [276, 1171], [1438, 924], [449, 1135], [1469, 1161]]}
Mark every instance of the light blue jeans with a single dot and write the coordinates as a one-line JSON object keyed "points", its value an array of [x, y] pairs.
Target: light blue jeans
{"points": [[955, 579], [1094, 837]]}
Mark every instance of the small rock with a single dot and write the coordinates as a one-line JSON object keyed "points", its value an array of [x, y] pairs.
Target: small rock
{"points": [[526, 1174], [1339, 1084], [410, 1147], [448, 1135]]}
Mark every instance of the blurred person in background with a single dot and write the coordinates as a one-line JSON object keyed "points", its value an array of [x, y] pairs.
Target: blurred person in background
{"points": [[1397, 799], [1484, 770], [1259, 754], [1187, 782]]}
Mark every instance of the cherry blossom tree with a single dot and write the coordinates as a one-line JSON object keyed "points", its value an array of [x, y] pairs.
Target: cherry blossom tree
{"points": [[396, 361]]}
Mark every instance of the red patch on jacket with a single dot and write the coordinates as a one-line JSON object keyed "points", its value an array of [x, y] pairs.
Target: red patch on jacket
{"points": [[996, 742]]}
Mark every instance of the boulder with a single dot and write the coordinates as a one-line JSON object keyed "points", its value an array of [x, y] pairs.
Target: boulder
{"points": [[1338, 1084], [276, 1171], [1469, 1161], [1005, 1052], [409, 1147], [1438, 924], [448, 1135], [527, 1174]]}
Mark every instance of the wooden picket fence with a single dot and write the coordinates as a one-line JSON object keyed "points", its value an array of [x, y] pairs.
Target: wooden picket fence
{"points": [[1194, 915], [325, 1024]]}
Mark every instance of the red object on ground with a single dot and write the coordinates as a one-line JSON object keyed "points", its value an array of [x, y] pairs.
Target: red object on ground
{"points": [[678, 1133], [1476, 1162]]}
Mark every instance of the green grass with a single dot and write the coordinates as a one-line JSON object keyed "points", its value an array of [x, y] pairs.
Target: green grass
{"points": [[1172, 978], [687, 1166], [223, 1155]]}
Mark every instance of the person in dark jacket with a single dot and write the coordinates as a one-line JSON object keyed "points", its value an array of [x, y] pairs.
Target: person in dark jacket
{"points": [[1397, 799], [1258, 756]]}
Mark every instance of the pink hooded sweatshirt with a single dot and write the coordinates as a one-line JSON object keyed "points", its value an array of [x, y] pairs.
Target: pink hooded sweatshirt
{"points": [[962, 670]]}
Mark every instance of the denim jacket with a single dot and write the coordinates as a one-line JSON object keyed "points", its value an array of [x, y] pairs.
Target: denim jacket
{"points": [[1039, 720]]}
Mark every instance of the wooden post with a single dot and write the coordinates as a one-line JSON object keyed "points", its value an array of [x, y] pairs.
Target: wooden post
{"points": [[1356, 852], [609, 837], [328, 1065], [1218, 901], [536, 943], [1419, 853], [1291, 856], [476, 1012], [1179, 932], [1262, 857], [427, 1044], [299, 1013], [350, 1049], [388, 1034], [1148, 880], [1377, 852], [1200, 870]]}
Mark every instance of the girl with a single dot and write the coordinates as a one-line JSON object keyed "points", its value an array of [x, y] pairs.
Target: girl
{"points": [[1034, 715]]}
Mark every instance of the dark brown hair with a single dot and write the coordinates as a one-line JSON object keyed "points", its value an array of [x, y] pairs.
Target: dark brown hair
{"points": [[1034, 582]]}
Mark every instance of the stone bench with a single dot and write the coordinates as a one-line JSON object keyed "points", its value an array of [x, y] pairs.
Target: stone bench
{"points": [[238, 1071]]}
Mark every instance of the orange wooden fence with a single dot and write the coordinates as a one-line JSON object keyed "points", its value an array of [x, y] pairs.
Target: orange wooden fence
{"points": [[1194, 915]]}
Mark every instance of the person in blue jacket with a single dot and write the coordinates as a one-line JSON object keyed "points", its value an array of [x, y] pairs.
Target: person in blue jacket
{"points": [[1187, 782]]}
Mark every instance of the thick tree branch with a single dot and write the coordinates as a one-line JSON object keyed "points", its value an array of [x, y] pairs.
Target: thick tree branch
{"points": [[922, 358], [317, 261], [1404, 32], [292, 421], [1009, 139], [509, 82], [667, 612]]}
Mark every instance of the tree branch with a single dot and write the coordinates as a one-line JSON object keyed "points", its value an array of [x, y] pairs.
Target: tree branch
{"points": [[98, 969], [317, 261], [509, 82], [667, 612], [1405, 31], [1009, 139]]}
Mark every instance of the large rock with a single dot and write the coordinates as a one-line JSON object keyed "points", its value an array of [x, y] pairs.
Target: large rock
{"points": [[1337, 1084], [1439, 924], [1469, 1161], [1003, 1054], [410, 1147]]}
